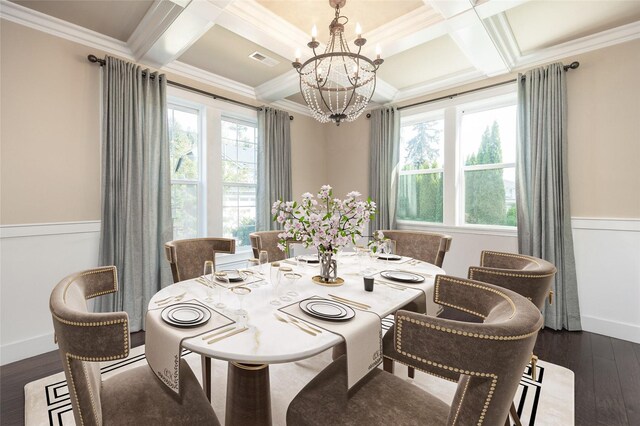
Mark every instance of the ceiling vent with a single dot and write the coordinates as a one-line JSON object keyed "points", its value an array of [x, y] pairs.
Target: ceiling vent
{"points": [[264, 59]]}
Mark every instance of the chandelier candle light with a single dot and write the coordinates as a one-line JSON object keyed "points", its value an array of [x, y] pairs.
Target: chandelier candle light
{"points": [[326, 223], [338, 84]]}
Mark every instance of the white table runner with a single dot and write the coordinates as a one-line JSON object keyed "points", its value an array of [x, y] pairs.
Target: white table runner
{"points": [[362, 336], [164, 342]]}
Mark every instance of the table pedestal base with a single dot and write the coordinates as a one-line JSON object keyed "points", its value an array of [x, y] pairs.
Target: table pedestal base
{"points": [[248, 395]]}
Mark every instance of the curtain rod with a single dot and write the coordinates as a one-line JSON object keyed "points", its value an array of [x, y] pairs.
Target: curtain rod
{"points": [[572, 65], [102, 62]]}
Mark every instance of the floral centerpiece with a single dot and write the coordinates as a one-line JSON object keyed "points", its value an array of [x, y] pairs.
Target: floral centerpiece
{"points": [[324, 222]]}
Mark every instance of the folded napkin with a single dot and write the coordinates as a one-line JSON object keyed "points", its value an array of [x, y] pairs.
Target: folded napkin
{"points": [[163, 342], [362, 336], [251, 278]]}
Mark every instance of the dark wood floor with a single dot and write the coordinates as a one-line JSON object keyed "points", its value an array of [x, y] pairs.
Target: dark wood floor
{"points": [[607, 376]]}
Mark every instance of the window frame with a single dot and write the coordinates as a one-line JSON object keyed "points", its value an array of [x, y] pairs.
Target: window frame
{"points": [[213, 112], [185, 106], [453, 177], [422, 117]]}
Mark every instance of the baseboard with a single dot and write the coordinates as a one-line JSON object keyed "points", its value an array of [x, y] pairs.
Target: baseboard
{"points": [[619, 330], [27, 348]]}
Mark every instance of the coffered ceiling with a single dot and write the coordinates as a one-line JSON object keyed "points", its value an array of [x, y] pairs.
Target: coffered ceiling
{"points": [[428, 45]]}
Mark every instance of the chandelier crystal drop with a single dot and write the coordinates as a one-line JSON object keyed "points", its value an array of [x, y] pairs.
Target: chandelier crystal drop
{"points": [[338, 84]]}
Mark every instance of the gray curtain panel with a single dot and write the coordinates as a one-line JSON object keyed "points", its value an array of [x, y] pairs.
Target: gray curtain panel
{"points": [[542, 191], [383, 165], [274, 164], [136, 187]]}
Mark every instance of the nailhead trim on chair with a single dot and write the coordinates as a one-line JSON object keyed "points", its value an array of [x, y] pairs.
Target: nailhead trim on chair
{"points": [[436, 297], [420, 369], [493, 376], [464, 393], [473, 269]]}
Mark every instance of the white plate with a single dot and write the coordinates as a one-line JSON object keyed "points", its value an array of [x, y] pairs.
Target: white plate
{"points": [[402, 276], [320, 309], [185, 315]]}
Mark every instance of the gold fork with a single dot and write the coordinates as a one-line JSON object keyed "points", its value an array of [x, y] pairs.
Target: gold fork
{"points": [[170, 300], [281, 319]]}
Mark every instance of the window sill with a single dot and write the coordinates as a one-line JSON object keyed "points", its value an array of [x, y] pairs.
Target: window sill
{"points": [[500, 231]]}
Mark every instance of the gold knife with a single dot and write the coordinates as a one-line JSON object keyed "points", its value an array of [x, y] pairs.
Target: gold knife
{"points": [[217, 339], [215, 333]]}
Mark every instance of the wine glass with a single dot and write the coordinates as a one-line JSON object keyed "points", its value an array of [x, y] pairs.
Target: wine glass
{"points": [[282, 283], [241, 313], [208, 277], [223, 280], [263, 258]]}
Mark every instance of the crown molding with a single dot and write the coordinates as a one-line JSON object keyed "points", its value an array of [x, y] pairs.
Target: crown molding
{"points": [[291, 106], [155, 22], [206, 77], [279, 87], [48, 24], [435, 85], [589, 43], [505, 42], [384, 92]]}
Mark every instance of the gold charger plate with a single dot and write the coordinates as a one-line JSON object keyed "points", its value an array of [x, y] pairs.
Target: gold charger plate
{"points": [[318, 280]]}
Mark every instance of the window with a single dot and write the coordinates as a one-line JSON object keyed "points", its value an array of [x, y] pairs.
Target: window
{"points": [[213, 151], [239, 176], [487, 146], [185, 143], [457, 162], [420, 187]]}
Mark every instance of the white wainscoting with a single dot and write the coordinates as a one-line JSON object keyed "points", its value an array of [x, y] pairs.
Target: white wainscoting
{"points": [[608, 267], [607, 255], [33, 259]]}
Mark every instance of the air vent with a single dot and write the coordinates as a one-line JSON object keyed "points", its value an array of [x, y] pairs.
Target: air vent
{"points": [[264, 59]]}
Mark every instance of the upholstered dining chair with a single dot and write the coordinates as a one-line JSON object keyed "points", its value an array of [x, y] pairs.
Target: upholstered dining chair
{"points": [[187, 257], [485, 359], [268, 241], [429, 247], [528, 276], [134, 396]]}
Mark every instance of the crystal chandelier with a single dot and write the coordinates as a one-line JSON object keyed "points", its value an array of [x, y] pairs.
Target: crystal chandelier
{"points": [[338, 84]]}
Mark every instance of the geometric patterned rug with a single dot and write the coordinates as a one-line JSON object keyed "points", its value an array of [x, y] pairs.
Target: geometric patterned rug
{"points": [[548, 401]]}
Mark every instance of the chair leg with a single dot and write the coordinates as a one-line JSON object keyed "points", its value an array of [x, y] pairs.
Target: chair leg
{"points": [[387, 365], [534, 362], [206, 375], [514, 415], [411, 372]]}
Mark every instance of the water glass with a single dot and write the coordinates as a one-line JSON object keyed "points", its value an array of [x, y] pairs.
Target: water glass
{"points": [[241, 292], [207, 274]]}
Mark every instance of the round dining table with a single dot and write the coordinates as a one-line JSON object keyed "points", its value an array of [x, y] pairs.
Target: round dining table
{"points": [[269, 340]]}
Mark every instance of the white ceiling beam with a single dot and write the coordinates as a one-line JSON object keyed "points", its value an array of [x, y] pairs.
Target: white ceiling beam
{"points": [[470, 35], [280, 87], [170, 27]]}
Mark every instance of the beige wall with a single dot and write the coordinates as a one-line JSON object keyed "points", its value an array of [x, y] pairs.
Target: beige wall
{"points": [[603, 134], [50, 150], [50, 131], [348, 156], [308, 153]]}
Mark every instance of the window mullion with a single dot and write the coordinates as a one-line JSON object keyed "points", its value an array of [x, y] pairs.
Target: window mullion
{"points": [[450, 161]]}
